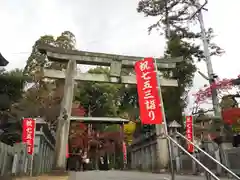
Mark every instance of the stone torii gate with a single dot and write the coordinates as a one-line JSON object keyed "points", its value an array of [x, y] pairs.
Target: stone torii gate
{"points": [[116, 63]]}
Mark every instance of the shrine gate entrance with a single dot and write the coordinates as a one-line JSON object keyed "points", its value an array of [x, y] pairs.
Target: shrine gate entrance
{"points": [[117, 64], [97, 139]]}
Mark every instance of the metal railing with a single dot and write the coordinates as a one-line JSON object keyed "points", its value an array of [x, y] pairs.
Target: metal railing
{"points": [[207, 170], [192, 157], [209, 156]]}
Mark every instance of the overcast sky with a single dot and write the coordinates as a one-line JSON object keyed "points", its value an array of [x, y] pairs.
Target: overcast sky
{"points": [[109, 26]]}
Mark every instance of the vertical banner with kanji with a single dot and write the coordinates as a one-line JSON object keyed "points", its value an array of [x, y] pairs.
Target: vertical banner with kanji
{"points": [[148, 96], [124, 152], [189, 133], [28, 134], [67, 151]]}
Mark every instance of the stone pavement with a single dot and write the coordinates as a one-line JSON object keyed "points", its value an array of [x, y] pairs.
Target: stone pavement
{"points": [[114, 175], [127, 175]]}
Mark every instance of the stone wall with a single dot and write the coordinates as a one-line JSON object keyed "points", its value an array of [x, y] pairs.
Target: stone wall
{"points": [[14, 160], [231, 158], [144, 158], [143, 154]]}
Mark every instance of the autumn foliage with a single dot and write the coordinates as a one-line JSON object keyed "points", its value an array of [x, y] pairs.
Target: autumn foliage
{"points": [[222, 86], [82, 136], [227, 91]]}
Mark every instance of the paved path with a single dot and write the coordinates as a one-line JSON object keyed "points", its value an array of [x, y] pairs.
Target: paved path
{"points": [[44, 177], [113, 175], [126, 175]]}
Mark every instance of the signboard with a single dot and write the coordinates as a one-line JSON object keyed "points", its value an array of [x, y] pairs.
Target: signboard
{"points": [[189, 132], [148, 97], [28, 134]]}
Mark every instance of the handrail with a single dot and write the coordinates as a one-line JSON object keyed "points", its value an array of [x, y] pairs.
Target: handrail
{"points": [[208, 155], [195, 159]]}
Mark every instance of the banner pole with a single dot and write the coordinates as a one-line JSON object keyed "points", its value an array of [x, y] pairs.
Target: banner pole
{"points": [[165, 122]]}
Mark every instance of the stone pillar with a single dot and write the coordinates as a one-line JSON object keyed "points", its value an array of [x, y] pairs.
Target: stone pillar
{"points": [[40, 155], [162, 147], [47, 159], [173, 129], [64, 118], [194, 164], [153, 155], [135, 159], [176, 154], [149, 158], [141, 160], [132, 159], [44, 158], [144, 154], [217, 156]]}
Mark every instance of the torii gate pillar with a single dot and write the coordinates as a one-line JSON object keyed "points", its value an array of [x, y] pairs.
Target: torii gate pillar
{"points": [[64, 118]]}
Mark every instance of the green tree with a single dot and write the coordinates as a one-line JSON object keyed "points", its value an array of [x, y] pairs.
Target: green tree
{"points": [[176, 16], [99, 99], [11, 89], [44, 96], [66, 40], [184, 72], [11, 86], [37, 60]]}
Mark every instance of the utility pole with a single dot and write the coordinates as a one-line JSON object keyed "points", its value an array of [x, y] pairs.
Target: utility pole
{"points": [[211, 75]]}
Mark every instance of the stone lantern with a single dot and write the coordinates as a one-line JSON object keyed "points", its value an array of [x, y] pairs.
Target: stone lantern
{"points": [[173, 128]]}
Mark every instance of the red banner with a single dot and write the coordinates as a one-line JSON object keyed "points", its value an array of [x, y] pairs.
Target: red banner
{"points": [[148, 97], [28, 134], [124, 152], [189, 132], [67, 151]]}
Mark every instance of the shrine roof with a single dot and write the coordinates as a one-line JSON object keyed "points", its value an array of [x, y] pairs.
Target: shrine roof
{"points": [[3, 61]]}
